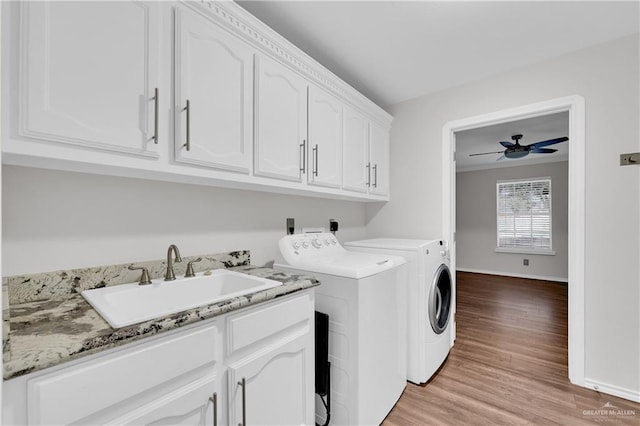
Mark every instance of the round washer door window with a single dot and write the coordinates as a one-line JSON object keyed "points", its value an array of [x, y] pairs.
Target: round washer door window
{"points": [[440, 299]]}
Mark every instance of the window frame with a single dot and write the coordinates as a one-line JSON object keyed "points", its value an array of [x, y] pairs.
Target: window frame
{"points": [[525, 250]]}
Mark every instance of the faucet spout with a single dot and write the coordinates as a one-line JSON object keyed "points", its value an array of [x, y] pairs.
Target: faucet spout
{"points": [[170, 275]]}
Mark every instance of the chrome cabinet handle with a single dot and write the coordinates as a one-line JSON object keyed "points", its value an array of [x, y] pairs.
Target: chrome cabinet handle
{"points": [[214, 399], [375, 176], [368, 174], [243, 383], [315, 156], [187, 144], [303, 148], [156, 117]]}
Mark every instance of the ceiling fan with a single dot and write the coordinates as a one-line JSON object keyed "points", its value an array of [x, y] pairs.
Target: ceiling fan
{"points": [[515, 150]]}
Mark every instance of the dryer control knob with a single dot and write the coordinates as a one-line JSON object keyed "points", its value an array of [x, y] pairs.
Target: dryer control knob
{"points": [[296, 245], [316, 243], [327, 241], [305, 244]]}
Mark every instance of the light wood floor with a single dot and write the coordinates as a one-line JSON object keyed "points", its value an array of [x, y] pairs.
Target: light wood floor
{"points": [[509, 363]]}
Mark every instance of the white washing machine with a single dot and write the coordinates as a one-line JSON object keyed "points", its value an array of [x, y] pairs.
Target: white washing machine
{"points": [[430, 304], [365, 298]]}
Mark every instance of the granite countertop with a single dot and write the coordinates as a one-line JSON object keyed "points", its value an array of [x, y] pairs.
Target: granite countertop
{"points": [[60, 328]]}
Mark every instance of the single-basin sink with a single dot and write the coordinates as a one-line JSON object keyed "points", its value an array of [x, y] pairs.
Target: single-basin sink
{"points": [[127, 304]]}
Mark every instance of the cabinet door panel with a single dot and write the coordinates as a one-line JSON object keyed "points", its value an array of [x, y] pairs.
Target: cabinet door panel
{"points": [[325, 139], [69, 395], [214, 72], [86, 80], [379, 157], [278, 389], [356, 170], [280, 120], [188, 406]]}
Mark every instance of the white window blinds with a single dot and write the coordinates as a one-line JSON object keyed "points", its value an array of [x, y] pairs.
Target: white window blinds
{"points": [[524, 214]]}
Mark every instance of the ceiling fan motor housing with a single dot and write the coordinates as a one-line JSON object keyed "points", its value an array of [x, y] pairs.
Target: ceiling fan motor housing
{"points": [[516, 152]]}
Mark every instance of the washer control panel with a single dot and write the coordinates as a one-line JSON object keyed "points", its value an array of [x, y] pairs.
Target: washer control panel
{"points": [[309, 245]]}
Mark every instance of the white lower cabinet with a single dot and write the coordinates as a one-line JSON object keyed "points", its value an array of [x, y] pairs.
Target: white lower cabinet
{"points": [[186, 377], [195, 404], [271, 365], [271, 389], [167, 380]]}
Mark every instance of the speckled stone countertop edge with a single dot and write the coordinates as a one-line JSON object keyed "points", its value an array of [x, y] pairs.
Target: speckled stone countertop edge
{"points": [[51, 332]]}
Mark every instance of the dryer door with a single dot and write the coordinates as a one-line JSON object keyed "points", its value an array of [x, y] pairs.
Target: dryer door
{"points": [[440, 298]]}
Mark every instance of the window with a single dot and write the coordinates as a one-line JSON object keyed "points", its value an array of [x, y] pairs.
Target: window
{"points": [[524, 216]]}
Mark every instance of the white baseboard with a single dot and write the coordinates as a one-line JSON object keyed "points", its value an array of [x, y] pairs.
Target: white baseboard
{"points": [[513, 274], [631, 395]]}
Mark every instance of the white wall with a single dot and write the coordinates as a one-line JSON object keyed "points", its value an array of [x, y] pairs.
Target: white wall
{"points": [[476, 223], [56, 220], [607, 77]]}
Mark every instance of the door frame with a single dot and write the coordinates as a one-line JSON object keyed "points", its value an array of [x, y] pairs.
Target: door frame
{"points": [[575, 105]]}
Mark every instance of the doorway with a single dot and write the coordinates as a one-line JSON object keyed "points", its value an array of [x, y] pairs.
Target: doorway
{"points": [[574, 105]]}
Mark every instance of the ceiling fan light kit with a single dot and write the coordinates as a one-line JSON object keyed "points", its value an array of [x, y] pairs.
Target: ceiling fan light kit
{"points": [[514, 150]]}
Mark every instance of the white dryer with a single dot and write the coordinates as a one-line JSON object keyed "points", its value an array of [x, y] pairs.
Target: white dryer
{"points": [[430, 304], [364, 296]]}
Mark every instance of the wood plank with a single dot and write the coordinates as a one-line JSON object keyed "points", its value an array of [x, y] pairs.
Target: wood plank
{"points": [[509, 363]]}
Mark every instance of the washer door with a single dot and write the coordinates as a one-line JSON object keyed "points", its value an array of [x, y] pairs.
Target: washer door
{"points": [[440, 299]]}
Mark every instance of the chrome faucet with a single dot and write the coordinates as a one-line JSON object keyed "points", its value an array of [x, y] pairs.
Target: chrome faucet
{"points": [[170, 275]]}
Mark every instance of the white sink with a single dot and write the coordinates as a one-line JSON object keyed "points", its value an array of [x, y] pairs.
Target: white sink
{"points": [[127, 304]]}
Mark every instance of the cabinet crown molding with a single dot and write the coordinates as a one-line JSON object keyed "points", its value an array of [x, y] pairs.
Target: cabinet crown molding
{"points": [[250, 28]]}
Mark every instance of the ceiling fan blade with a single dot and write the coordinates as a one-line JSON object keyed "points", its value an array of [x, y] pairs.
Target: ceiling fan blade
{"points": [[547, 143], [485, 153], [542, 150], [502, 157], [507, 144]]}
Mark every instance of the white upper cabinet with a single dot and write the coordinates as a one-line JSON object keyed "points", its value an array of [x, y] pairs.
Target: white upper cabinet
{"points": [[214, 71], [88, 73], [195, 92], [325, 139], [379, 159], [280, 121], [357, 170]]}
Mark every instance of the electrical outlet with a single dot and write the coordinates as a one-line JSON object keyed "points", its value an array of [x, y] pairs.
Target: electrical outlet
{"points": [[525, 262]]}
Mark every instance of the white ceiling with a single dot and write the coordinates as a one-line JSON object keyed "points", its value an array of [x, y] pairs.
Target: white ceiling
{"points": [[392, 51], [486, 139]]}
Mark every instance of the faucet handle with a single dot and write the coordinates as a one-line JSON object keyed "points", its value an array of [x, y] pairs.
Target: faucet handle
{"points": [[144, 278], [190, 272]]}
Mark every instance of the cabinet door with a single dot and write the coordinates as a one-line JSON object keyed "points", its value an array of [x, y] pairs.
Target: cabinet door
{"points": [[379, 157], [356, 167], [214, 73], [88, 71], [278, 389], [325, 139], [142, 375], [191, 405], [280, 121]]}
